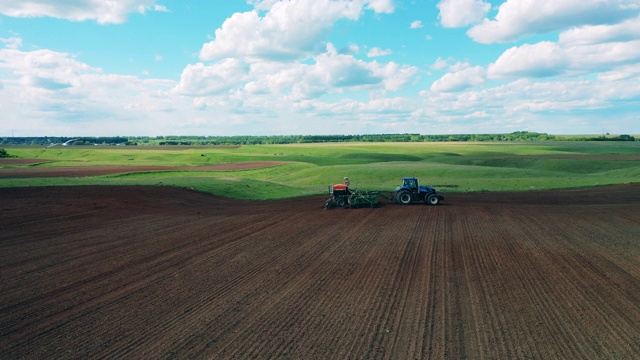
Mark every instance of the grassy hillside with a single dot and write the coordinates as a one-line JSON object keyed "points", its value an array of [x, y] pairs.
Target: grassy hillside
{"points": [[310, 168]]}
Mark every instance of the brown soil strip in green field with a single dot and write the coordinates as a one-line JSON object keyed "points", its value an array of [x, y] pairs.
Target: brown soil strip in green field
{"points": [[20, 161], [83, 171]]}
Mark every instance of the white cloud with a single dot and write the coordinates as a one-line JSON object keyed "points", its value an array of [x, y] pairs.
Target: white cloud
{"points": [[379, 107], [460, 80], [549, 59], [12, 43], [376, 51], [43, 69], [363, 117], [51, 93], [289, 30], [460, 13], [518, 18], [559, 96], [76, 98], [441, 64], [160, 8], [566, 106], [416, 24], [381, 6], [104, 12], [200, 79], [539, 60], [273, 46], [594, 34], [264, 80], [333, 72], [351, 49], [580, 50], [329, 72], [396, 76], [279, 35], [621, 73]]}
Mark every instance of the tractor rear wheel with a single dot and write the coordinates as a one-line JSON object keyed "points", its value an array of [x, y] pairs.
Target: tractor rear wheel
{"points": [[432, 199], [403, 197], [341, 202]]}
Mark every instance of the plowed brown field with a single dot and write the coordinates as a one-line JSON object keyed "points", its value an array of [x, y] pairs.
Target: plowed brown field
{"points": [[159, 272]]}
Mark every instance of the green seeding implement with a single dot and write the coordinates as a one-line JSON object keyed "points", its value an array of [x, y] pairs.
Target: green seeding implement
{"points": [[341, 196]]}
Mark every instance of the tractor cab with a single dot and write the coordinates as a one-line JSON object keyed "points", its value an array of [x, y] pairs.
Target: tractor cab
{"points": [[413, 185], [410, 183]]}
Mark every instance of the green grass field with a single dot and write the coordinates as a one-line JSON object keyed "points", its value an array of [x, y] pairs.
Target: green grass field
{"points": [[310, 168]]}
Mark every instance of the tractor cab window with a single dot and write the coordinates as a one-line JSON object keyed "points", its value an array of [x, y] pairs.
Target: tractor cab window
{"points": [[412, 184]]}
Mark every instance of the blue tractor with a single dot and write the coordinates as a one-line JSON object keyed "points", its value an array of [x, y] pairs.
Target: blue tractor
{"points": [[411, 191]]}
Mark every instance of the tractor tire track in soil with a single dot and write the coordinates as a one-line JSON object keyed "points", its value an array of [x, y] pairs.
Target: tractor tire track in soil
{"points": [[160, 272]]}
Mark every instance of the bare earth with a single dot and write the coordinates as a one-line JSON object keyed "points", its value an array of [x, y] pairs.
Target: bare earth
{"points": [[82, 171], [160, 272]]}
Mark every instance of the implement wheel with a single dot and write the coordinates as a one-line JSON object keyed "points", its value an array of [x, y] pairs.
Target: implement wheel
{"points": [[403, 197]]}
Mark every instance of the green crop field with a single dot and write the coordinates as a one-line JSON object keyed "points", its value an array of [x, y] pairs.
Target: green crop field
{"points": [[308, 169]]}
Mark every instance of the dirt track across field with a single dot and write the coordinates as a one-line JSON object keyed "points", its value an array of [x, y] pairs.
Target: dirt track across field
{"points": [[160, 272]]}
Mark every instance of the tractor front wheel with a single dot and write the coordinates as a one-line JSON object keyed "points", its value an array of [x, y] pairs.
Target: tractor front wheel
{"points": [[432, 199], [341, 202], [403, 197]]}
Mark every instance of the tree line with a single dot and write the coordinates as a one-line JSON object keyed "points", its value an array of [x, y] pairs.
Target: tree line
{"points": [[60, 140], [295, 139]]}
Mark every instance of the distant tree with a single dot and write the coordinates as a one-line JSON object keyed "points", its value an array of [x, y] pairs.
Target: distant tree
{"points": [[3, 153]]}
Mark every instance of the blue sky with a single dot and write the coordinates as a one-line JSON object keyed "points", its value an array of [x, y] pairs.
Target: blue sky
{"points": [[280, 67]]}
